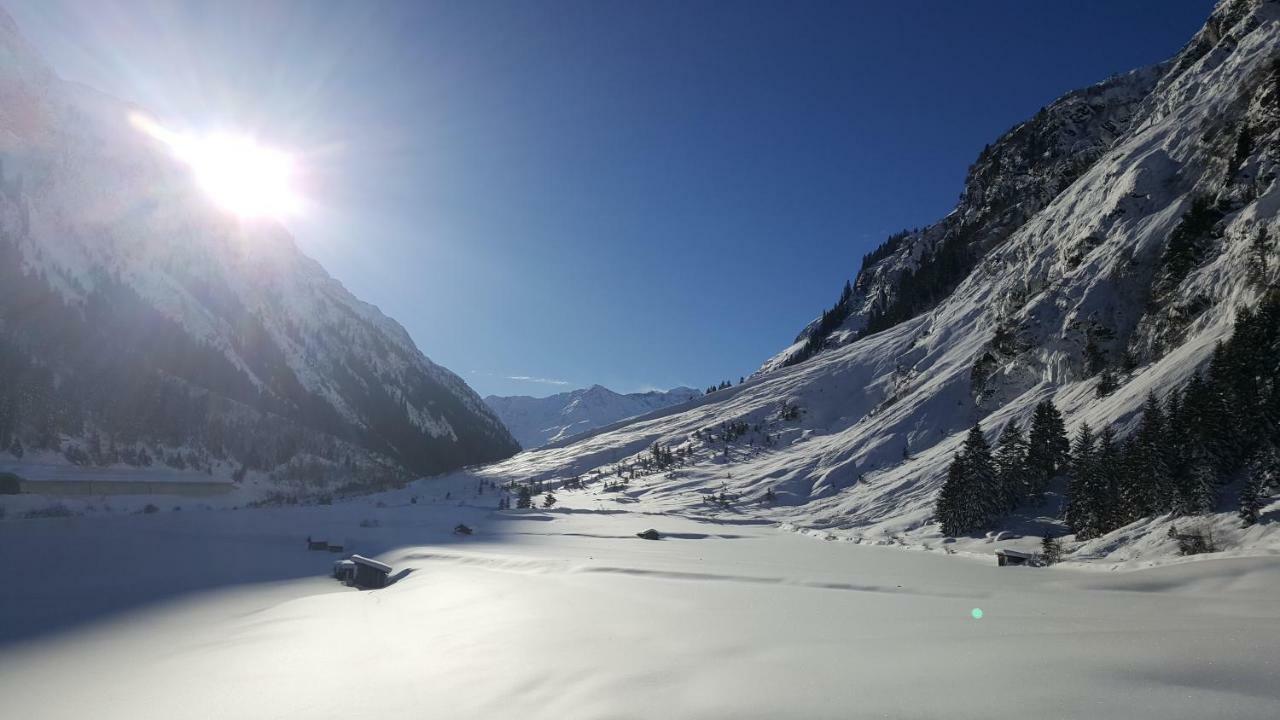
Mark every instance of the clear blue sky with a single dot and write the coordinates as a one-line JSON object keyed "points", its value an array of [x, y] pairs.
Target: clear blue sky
{"points": [[639, 194]]}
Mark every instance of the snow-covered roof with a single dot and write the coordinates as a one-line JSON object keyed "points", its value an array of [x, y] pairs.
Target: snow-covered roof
{"points": [[371, 563], [1015, 553]]}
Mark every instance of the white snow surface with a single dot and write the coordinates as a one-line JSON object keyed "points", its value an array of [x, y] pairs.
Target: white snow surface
{"points": [[564, 614], [534, 422]]}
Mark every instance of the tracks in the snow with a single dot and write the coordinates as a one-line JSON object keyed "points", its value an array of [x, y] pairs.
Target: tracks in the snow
{"points": [[521, 565]]}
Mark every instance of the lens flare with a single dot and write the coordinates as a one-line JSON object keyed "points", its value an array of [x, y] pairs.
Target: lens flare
{"points": [[976, 613], [237, 173]]}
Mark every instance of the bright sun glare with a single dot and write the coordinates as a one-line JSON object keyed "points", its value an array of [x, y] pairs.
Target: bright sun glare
{"points": [[238, 174]]}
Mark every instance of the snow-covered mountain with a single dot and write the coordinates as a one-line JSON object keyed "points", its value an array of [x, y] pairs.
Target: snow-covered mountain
{"points": [[537, 421], [138, 324], [1011, 180], [1120, 232]]}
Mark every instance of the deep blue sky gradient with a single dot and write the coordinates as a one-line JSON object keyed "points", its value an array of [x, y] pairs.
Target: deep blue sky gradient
{"points": [[640, 194]]}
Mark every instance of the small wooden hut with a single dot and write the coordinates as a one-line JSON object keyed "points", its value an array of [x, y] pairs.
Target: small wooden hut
{"points": [[369, 574], [1014, 557]]}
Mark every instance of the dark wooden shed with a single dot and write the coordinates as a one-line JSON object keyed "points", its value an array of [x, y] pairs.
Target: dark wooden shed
{"points": [[369, 574], [1014, 557]]}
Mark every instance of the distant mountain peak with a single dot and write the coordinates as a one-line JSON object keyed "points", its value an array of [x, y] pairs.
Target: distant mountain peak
{"points": [[537, 421]]}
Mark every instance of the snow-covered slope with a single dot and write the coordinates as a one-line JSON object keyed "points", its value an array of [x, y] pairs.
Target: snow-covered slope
{"points": [[1011, 180], [858, 436], [537, 421], [138, 323]]}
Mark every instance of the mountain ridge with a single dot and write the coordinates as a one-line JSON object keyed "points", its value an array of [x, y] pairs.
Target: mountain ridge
{"points": [[239, 352], [538, 421]]}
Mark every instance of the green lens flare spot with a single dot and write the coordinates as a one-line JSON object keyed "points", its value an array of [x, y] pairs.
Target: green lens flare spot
{"points": [[976, 613]]}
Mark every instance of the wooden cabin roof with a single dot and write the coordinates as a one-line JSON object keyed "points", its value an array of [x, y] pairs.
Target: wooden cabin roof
{"points": [[362, 560], [1015, 553]]}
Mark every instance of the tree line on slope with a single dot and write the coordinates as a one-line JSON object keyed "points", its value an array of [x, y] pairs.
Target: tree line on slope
{"points": [[831, 319], [913, 292], [1217, 427], [835, 316]]}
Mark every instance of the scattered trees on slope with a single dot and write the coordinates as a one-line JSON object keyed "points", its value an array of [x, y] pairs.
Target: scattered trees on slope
{"points": [[983, 486], [1190, 241], [921, 288], [830, 321], [725, 385], [1218, 426]]}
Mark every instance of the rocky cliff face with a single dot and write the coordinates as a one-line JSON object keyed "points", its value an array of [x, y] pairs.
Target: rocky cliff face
{"points": [[1011, 180]]}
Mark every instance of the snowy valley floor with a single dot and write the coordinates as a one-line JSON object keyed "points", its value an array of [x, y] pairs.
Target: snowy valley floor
{"points": [[566, 614]]}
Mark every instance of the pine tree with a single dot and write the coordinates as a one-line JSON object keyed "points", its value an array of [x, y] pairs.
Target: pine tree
{"points": [[524, 498], [1199, 493], [1228, 407], [1145, 491], [1011, 467], [1251, 495], [1050, 550], [1196, 446], [1189, 240], [1106, 491], [986, 492], [949, 511], [1107, 383], [1259, 248], [1048, 449], [970, 498], [1082, 486]]}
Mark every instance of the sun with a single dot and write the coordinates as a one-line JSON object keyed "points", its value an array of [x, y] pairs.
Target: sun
{"points": [[242, 176], [239, 175]]}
